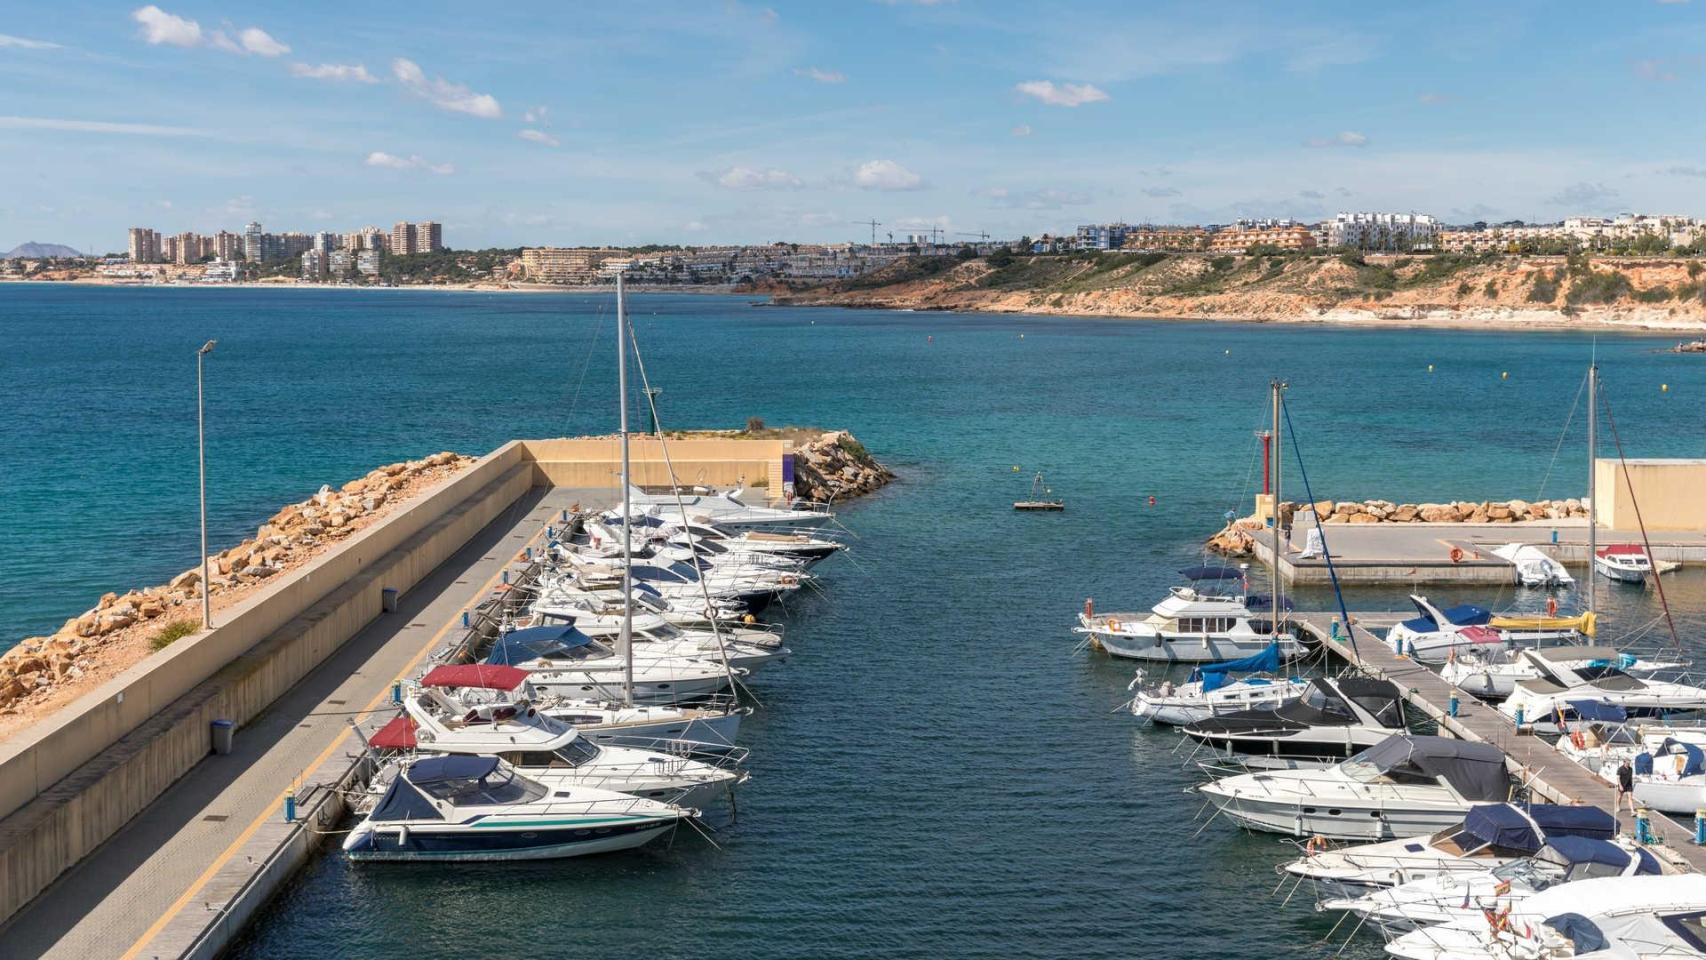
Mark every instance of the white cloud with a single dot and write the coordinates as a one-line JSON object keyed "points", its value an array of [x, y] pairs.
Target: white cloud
{"points": [[694, 226], [1345, 138], [1062, 94], [262, 44], [1047, 198], [158, 26], [220, 40], [1431, 98], [536, 115], [539, 136], [886, 175], [444, 94], [98, 126], [821, 75], [353, 72], [26, 43], [1022, 130], [751, 178], [390, 161]]}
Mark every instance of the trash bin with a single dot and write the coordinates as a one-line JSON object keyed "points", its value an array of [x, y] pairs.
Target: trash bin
{"points": [[388, 599], [223, 731]]}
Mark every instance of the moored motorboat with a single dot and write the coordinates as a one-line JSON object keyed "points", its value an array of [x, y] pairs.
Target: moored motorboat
{"points": [[1405, 785], [478, 808], [1191, 625], [1335, 718], [1210, 691]]}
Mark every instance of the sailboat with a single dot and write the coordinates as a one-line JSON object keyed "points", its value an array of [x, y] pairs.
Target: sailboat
{"points": [[1040, 498]]}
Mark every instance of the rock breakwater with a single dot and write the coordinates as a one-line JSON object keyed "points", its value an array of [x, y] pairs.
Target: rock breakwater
{"points": [[836, 467], [1238, 537], [121, 629]]}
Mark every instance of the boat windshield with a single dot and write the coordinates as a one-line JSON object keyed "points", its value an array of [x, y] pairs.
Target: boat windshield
{"points": [[1535, 874], [500, 787], [1326, 703]]}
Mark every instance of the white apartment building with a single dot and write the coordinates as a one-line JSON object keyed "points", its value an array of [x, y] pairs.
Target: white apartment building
{"points": [[1382, 231]]}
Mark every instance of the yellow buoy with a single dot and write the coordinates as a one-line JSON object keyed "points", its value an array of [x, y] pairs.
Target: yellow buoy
{"points": [[1015, 468], [1664, 388], [1505, 376]]}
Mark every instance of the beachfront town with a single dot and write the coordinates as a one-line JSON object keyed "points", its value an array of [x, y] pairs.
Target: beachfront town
{"points": [[377, 256]]}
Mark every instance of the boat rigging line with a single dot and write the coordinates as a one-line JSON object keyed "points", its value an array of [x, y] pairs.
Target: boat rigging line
{"points": [[1646, 544], [1326, 552]]}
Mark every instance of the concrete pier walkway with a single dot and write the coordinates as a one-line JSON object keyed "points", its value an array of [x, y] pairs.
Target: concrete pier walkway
{"points": [[1546, 771], [183, 875]]}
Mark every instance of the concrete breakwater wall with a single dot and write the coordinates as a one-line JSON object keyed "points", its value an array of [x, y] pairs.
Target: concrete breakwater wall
{"points": [[121, 630], [1238, 537], [74, 778]]}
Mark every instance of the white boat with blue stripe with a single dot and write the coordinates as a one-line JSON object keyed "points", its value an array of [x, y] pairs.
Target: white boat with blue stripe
{"points": [[468, 808]]}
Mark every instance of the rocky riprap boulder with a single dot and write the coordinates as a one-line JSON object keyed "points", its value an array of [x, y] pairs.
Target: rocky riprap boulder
{"points": [[835, 467], [1238, 537], [38, 665]]}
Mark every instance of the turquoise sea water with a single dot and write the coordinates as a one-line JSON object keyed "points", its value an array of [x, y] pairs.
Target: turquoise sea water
{"points": [[935, 772]]}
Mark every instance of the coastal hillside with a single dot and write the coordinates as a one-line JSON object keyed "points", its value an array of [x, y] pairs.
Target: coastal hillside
{"points": [[1443, 289]]}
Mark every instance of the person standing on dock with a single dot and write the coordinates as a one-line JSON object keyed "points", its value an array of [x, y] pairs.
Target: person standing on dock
{"points": [[1625, 787]]}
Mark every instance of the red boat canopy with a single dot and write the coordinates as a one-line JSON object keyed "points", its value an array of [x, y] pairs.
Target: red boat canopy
{"points": [[1481, 635], [1623, 549], [486, 676], [399, 734]]}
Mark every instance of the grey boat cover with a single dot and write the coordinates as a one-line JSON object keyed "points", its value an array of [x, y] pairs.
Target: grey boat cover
{"points": [[1475, 770]]}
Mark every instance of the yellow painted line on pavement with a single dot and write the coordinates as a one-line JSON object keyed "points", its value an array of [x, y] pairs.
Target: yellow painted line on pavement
{"points": [[267, 814]]}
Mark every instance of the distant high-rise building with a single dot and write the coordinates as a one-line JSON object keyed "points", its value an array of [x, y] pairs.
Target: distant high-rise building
{"points": [[313, 265], [369, 238], [252, 242], [191, 248], [429, 236], [403, 239], [339, 263], [367, 262], [169, 249], [144, 245], [294, 244], [227, 245], [326, 241]]}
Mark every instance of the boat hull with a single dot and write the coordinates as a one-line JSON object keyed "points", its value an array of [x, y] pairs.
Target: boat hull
{"points": [[715, 733], [1156, 648], [1351, 819], [1679, 797], [438, 843]]}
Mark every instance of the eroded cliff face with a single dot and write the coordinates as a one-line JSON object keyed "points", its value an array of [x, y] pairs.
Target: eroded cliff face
{"points": [[1444, 290]]}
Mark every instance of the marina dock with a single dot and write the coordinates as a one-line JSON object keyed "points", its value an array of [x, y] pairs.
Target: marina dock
{"points": [[1422, 552], [1533, 761], [185, 875]]}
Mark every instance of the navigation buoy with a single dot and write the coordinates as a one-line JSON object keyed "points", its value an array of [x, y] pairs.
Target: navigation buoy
{"points": [[1021, 336], [930, 339], [1015, 468], [1505, 376], [1664, 388], [1430, 368], [1152, 499], [1229, 353]]}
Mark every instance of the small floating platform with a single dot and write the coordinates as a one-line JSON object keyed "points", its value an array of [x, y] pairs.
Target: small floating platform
{"points": [[1039, 505]]}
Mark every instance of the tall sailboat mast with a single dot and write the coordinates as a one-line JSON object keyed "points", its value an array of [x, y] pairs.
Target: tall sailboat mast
{"points": [[1593, 497], [1279, 452], [625, 638]]}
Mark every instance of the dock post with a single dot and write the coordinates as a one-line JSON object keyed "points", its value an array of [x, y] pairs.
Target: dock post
{"points": [[528, 552], [1700, 827], [506, 578], [565, 516], [1451, 705], [1398, 646], [290, 807], [397, 692], [1335, 628], [1518, 719], [1643, 828], [466, 620]]}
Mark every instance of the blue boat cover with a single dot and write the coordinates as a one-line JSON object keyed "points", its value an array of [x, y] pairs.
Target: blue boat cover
{"points": [[1575, 851], [1580, 931], [1696, 761], [1464, 614], [1211, 573], [453, 767], [1598, 711], [1560, 820], [1262, 601], [1214, 675], [531, 643], [1502, 825]]}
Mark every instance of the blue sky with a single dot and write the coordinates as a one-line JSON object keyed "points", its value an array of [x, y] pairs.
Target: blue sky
{"points": [[718, 121]]}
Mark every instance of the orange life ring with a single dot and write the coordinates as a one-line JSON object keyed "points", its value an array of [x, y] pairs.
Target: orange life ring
{"points": [[1456, 554]]}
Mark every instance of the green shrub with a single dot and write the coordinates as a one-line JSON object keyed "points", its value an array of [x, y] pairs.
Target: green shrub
{"points": [[1658, 294], [1465, 288], [1491, 289], [173, 631], [1545, 289], [1592, 287]]}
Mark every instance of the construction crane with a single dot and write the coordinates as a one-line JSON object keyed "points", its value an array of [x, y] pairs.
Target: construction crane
{"points": [[981, 235], [873, 223]]}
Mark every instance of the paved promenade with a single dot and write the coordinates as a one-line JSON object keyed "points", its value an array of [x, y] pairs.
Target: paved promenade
{"points": [[163, 886]]}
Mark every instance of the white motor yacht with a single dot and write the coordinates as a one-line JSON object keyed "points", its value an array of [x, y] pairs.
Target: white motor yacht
{"points": [[479, 808], [563, 662], [1623, 562], [1335, 718], [1437, 635], [1211, 691], [1614, 918], [1469, 896], [1405, 785], [1534, 567], [729, 509], [1492, 672], [1546, 698], [1192, 625], [1489, 836]]}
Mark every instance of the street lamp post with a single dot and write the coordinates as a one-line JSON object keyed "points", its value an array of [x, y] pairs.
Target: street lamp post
{"points": [[201, 458], [652, 405]]}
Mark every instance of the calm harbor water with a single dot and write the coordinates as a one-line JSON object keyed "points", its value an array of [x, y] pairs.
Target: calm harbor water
{"points": [[935, 772]]}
